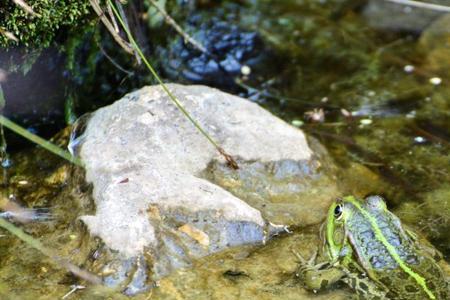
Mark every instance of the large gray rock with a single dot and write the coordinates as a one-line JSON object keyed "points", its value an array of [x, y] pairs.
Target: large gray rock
{"points": [[161, 188]]}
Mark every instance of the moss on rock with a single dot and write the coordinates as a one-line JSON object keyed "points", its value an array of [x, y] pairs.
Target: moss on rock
{"points": [[39, 31]]}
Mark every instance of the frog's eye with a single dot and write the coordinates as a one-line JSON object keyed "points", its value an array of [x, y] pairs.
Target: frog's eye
{"points": [[338, 210]]}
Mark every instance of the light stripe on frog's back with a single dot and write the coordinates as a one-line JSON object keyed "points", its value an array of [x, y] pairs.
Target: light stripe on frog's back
{"points": [[374, 251], [380, 237]]}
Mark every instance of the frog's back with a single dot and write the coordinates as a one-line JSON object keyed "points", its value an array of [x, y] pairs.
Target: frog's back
{"points": [[401, 275], [402, 286], [368, 240]]}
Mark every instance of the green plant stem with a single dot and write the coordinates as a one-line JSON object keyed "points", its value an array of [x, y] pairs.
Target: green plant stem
{"points": [[61, 262], [174, 99], [40, 141]]}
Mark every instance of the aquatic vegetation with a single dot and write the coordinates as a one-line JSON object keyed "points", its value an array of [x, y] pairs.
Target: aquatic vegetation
{"points": [[39, 141]]}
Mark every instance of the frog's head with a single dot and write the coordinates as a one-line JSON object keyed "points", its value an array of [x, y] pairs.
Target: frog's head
{"points": [[342, 220]]}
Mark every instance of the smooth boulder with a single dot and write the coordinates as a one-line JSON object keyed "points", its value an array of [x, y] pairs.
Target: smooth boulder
{"points": [[162, 189]]}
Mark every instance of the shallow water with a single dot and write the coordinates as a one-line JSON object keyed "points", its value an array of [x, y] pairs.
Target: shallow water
{"points": [[384, 95]]}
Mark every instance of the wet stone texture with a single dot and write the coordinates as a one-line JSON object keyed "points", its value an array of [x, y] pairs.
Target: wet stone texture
{"points": [[266, 273], [165, 197], [232, 52]]}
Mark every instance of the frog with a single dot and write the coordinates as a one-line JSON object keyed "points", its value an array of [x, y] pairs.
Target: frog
{"points": [[366, 247]]}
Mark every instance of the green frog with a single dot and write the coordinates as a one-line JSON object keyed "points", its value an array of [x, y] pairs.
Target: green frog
{"points": [[366, 247]]}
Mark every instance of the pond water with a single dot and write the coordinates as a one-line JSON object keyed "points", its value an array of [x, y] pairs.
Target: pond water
{"points": [[375, 92]]}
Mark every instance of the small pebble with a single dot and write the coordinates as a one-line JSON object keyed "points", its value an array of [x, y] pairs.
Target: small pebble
{"points": [[297, 123], [245, 70], [345, 113], [365, 121], [419, 139], [408, 68], [407, 9], [435, 81], [411, 114], [6, 163]]}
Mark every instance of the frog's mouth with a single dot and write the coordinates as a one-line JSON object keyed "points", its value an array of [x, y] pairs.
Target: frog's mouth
{"points": [[334, 230]]}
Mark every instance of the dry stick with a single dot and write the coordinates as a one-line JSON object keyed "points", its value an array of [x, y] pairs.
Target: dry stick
{"points": [[111, 60], [125, 21], [96, 6], [25, 7], [171, 22], [418, 4], [113, 20], [231, 162]]}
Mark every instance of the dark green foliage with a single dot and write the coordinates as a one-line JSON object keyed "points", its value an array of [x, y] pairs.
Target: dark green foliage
{"points": [[39, 31]]}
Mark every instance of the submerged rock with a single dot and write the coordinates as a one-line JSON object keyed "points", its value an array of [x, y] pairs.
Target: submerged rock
{"points": [[163, 191], [232, 53]]}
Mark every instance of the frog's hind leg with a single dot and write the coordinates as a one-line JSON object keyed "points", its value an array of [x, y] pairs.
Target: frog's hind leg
{"points": [[364, 288]]}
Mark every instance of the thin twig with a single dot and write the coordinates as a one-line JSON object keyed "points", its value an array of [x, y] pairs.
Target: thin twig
{"points": [[122, 43], [418, 4], [125, 20], [113, 19], [26, 8], [111, 60], [171, 22], [73, 290]]}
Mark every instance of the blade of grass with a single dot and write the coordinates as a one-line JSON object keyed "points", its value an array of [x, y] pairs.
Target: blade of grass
{"points": [[38, 140], [174, 99], [61, 262]]}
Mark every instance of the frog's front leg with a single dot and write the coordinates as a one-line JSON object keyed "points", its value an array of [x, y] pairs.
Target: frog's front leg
{"points": [[317, 277]]}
